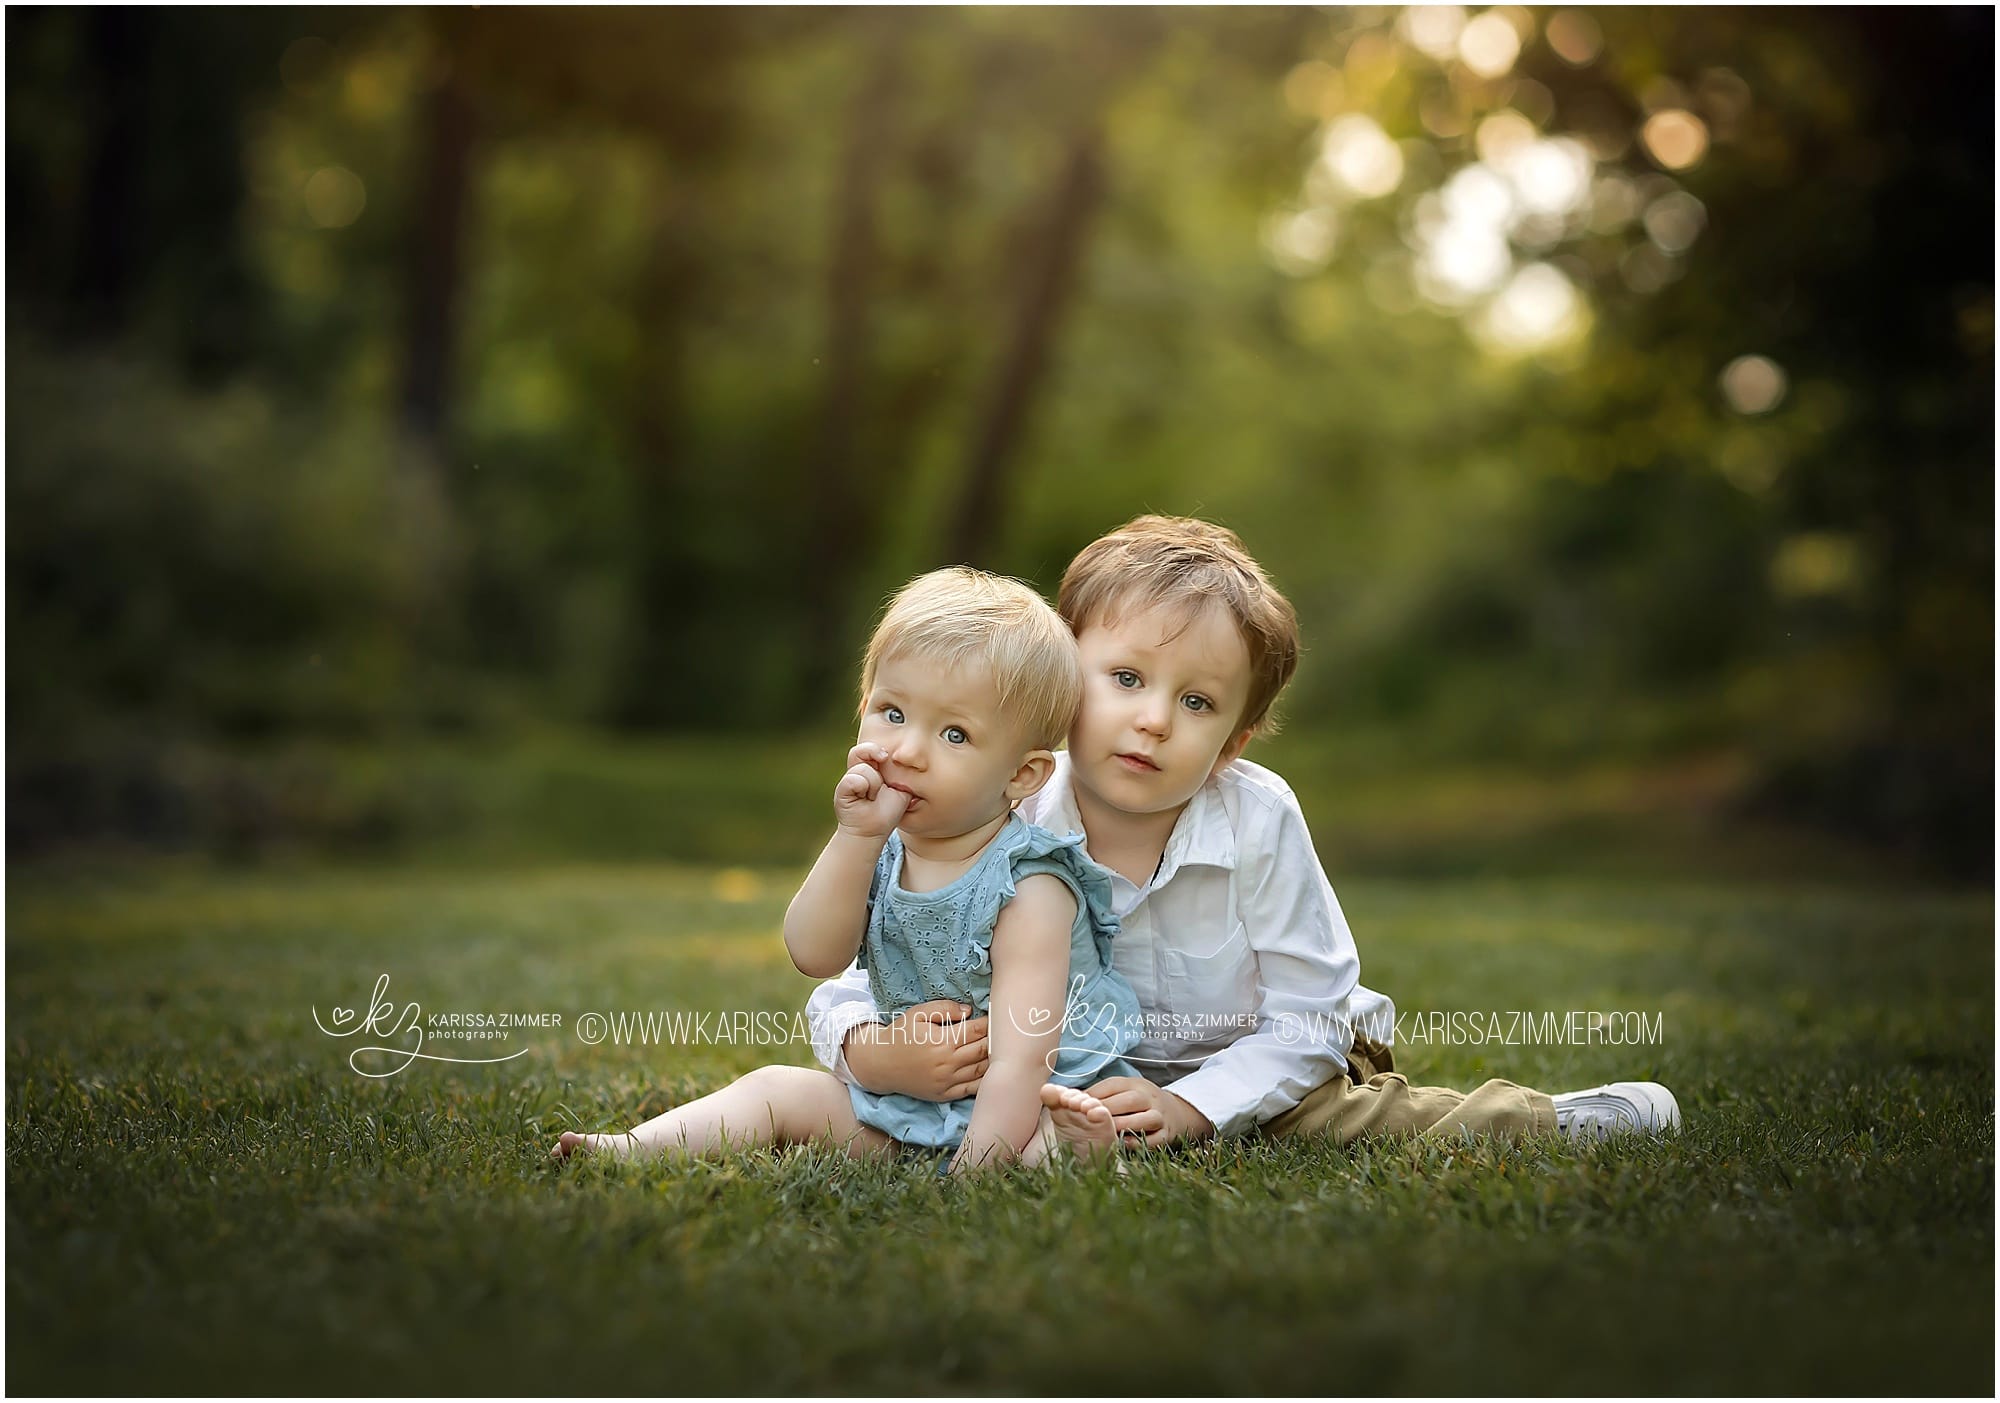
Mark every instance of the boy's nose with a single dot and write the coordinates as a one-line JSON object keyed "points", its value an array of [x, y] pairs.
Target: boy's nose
{"points": [[1156, 720], [908, 753]]}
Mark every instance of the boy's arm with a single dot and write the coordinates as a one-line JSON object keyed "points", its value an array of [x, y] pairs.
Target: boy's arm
{"points": [[1307, 968], [835, 1009], [1030, 974], [934, 1052]]}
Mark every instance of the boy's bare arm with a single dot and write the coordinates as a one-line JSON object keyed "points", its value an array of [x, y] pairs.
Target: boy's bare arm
{"points": [[933, 1052], [1030, 976]]}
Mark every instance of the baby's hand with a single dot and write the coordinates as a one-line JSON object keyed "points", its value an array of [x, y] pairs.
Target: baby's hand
{"points": [[863, 803]]}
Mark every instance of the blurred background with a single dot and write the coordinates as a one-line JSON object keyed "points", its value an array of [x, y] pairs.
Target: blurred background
{"points": [[486, 435]]}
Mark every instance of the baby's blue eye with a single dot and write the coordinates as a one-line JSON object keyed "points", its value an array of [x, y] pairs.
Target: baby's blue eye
{"points": [[1125, 677], [956, 735], [893, 715], [1195, 703]]}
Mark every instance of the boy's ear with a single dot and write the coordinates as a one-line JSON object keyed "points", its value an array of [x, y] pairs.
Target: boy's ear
{"points": [[1033, 774], [1230, 751]]}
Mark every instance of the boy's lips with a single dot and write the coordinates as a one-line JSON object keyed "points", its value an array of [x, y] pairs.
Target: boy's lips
{"points": [[915, 798], [1132, 760]]}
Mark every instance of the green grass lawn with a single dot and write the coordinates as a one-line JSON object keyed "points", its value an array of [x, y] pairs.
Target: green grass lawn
{"points": [[203, 1197]]}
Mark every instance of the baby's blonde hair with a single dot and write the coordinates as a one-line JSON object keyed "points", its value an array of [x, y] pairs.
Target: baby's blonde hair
{"points": [[960, 615]]}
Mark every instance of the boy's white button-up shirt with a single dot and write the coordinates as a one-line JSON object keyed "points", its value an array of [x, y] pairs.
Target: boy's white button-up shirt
{"points": [[1238, 951]]}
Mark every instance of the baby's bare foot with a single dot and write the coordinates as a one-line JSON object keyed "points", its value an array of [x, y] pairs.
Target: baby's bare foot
{"points": [[1081, 1121], [571, 1143]]}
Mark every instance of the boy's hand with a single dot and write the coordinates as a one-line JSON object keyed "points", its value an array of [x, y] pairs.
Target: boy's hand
{"points": [[863, 802], [933, 1052], [1140, 1110]]}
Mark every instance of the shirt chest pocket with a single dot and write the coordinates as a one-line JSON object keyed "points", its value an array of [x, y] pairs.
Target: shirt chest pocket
{"points": [[1214, 994]]}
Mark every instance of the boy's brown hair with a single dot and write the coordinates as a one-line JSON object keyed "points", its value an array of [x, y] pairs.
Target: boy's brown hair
{"points": [[1184, 564]]}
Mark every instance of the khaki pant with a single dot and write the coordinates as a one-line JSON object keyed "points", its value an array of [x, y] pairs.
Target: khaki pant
{"points": [[1373, 1100]]}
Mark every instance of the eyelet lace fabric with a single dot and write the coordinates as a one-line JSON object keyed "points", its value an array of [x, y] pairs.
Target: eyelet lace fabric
{"points": [[921, 946]]}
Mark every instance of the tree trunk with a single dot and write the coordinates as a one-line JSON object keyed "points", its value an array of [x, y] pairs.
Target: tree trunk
{"points": [[1050, 278], [666, 590], [111, 245], [841, 532], [425, 530], [437, 255]]}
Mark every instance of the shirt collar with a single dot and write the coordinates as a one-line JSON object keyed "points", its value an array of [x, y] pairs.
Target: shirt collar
{"points": [[1202, 836], [1057, 809]]}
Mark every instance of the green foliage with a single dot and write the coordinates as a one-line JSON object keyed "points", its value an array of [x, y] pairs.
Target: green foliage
{"points": [[194, 1174], [726, 305], [217, 559]]}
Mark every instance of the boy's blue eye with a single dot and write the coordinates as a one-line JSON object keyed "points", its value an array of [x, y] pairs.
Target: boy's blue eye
{"points": [[893, 715], [956, 735], [1196, 703], [1125, 677]]}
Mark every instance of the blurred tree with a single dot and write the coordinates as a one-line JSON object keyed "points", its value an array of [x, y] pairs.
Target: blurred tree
{"points": [[1046, 281], [843, 534], [130, 176], [703, 328]]}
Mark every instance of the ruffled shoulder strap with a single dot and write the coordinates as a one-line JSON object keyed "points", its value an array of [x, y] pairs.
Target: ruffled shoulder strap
{"points": [[1034, 850], [885, 871]]}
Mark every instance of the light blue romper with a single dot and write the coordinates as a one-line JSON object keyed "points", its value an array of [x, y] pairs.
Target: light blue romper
{"points": [[937, 945]]}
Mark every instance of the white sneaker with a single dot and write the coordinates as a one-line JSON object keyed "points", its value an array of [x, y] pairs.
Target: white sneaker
{"points": [[1617, 1108]]}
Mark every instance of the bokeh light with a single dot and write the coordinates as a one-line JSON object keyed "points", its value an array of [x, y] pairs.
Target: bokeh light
{"points": [[1315, 89], [1676, 138], [334, 197], [1501, 135], [1538, 308], [1532, 101], [1460, 261], [1361, 157], [1753, 384], [1441, 114], [1725, 98], [1816, 563], [1301, 241], [1370, 63], [1433, 29], [1675, 221], [735, 885], [1575, 36], [1660, 93], [1477, 194], [1552, 177], [1489, 45], [1614, 203], [1646, 270]]}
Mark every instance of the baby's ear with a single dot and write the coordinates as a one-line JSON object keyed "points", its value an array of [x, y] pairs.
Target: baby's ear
{"points": [[1033, 774]]}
